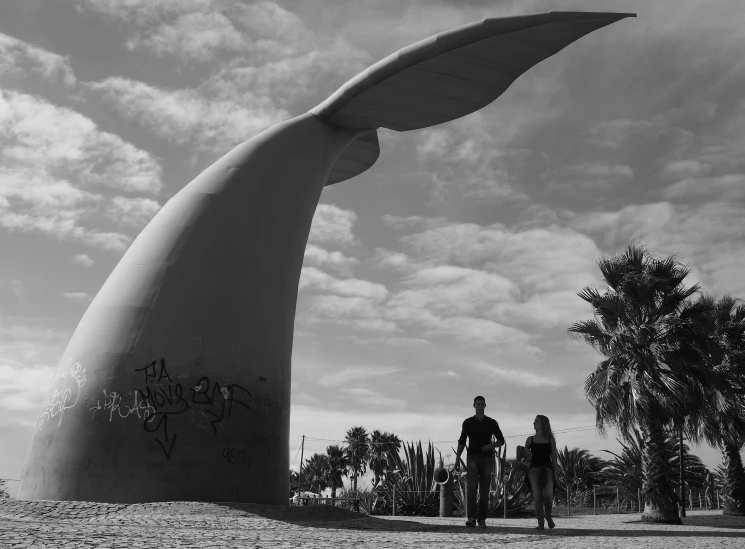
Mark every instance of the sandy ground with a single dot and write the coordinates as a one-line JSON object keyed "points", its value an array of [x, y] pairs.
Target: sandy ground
{"points": [[189, 524]]}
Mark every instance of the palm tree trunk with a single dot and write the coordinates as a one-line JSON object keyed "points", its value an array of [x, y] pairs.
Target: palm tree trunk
{"points": [[682, 496], [734, 493], [660, 501]]}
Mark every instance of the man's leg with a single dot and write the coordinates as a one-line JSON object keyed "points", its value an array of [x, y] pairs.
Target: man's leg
{"points": [[485, 472], [472, 484]]}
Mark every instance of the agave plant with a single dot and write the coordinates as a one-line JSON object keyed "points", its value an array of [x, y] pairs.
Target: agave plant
{"points": [[413, 478]]}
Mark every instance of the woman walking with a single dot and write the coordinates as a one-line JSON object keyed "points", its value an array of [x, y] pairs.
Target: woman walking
{"points": [[542, 448]]}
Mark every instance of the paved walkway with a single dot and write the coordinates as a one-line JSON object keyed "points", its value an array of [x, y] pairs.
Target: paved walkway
{"points": [[186, 524]]}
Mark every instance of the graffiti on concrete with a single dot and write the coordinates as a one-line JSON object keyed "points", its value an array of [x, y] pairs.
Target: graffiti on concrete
{"points": [[64, 393]]}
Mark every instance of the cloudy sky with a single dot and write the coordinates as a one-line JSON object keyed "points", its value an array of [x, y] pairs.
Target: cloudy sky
{"points": [[447, 270]]}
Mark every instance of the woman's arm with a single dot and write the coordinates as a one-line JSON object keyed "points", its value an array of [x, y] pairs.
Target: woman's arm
{"points": [[553, 451]]}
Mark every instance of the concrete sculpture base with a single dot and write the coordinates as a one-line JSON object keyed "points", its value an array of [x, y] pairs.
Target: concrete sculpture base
{"points": [[176, 383]]}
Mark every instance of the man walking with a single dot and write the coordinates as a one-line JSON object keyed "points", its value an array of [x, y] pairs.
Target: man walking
{"points": [[709, 489], [479, 460]]}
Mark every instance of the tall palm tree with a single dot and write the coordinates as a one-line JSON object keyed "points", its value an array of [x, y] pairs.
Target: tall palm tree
{"points": [[652, 336], [338, 467], [357, 451], [382, 445], [721, 422]]}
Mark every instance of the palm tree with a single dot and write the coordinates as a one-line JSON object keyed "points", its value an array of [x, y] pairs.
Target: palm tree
{"points": [[721, 422], [316, 470], [4, 494], [652, 337], [338, 467], [625, 470], [578, 469], [294, 483], [357, 451], [382, 445]]}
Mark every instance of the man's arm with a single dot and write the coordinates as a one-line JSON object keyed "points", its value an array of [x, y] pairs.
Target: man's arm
{"points": [[498, 434], [461, 443]]}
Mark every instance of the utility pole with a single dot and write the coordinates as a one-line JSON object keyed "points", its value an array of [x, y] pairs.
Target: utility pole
{"points": [[300, 474]]}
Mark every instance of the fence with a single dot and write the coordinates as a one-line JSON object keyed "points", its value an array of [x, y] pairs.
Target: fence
{"points": [[697, 498]]}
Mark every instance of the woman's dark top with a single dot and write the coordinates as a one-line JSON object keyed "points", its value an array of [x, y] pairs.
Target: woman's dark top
{"points": [[541, 454]]}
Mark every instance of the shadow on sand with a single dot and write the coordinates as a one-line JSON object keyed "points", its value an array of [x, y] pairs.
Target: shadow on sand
{"points": [[336, 518]]}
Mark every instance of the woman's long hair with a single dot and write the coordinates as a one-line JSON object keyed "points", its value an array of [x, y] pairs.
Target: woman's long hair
{"points": [[545, 426]]}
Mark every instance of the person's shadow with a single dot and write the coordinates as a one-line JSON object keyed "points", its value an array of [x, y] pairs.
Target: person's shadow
{"points": [[326, 516]]}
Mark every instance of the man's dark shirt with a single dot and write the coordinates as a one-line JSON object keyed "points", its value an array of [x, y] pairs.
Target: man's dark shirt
{"points": [[479, 434]]}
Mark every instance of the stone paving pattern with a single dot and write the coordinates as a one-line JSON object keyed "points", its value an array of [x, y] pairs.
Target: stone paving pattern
{"points": [[71, 524]]}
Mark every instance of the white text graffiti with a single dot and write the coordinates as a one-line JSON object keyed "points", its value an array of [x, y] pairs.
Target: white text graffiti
{"points": [[58, 400]]}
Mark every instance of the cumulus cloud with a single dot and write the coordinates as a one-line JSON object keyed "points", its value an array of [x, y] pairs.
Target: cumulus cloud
{"points": [[310, 277], [63, 141], [20, 59], [81, 297], [316, 256], [144, 12], [613, 133], [45, 148], [726, 188], [83, 260], [465, 158], [514, 376], [396, 261], [683, 169], [354, 375], [605, 170], [262, 59], [198, 36], [23, 389], [187, 116], [709, 236], [332, 224], [133, 212]]}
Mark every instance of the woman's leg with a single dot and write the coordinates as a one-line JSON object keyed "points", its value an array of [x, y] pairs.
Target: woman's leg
{"points": [[548, 496], [535, 485]]}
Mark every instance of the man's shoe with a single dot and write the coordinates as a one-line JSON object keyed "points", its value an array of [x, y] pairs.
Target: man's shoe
{"points": [[550, 522], [482, 524], [471, 523]]}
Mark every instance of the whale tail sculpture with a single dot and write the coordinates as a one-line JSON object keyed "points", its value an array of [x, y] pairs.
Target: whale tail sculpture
{"points": [[176, 383], [448, 76]]}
